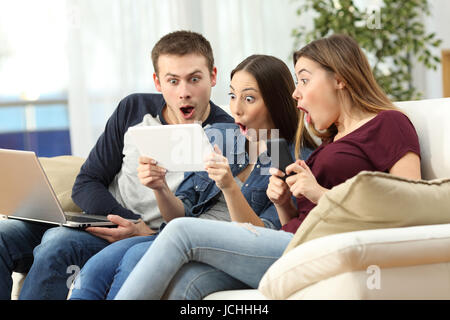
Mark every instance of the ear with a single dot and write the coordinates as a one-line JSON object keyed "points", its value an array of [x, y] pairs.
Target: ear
{"points": [[214, 77], [157, 82], [338, 83]]}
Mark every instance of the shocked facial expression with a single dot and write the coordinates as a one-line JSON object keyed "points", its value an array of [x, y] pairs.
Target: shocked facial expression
{"points": [[316, 93], [247, 105], [185, 82]]}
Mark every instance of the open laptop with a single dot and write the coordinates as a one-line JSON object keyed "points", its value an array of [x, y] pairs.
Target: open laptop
{"points": [[176, 147], [26, 194]]}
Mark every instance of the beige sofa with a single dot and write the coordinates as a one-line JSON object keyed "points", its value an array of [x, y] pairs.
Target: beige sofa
{"points": [[401, 258]]}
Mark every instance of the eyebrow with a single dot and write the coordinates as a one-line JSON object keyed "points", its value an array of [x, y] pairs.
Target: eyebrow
{"points": [[303, 69], [246, 89], [177, 76]]}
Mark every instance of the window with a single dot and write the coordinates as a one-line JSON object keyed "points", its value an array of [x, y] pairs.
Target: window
{"points": [[33, 77]]}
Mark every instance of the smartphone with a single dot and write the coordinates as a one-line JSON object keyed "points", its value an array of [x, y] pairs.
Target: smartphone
{"points": [[280, 156]]}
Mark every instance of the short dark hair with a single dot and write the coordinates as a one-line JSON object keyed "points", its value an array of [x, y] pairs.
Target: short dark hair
{"points": [[181, 43]]}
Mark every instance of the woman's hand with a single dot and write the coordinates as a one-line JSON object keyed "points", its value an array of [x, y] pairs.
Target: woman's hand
{"points": [[303, 183], [151, 175], [278, 191], [219, 170]]}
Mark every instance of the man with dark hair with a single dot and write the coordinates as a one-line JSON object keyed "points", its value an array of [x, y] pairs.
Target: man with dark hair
{"points": [[180, 43], [108, 183]]}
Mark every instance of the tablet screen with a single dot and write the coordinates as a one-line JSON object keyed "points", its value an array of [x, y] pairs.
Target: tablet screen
{"points": [[180, 147]]}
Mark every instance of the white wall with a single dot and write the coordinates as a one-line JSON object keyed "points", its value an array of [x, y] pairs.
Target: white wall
{"points": [[110, 41], [438, 22]]}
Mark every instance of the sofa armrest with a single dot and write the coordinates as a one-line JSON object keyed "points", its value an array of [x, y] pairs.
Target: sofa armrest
{"points": [[326, 257]]}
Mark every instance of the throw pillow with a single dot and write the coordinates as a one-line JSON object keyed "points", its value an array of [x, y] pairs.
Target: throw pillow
{"points": [[375, 200], [61, 172]]}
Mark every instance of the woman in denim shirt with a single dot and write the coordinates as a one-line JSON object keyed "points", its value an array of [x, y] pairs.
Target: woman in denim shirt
{"points": [[198, 191], [233, 187]]}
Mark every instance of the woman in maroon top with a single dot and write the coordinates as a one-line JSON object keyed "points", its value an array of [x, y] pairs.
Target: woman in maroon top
{"points": [[359, 126], [360, 130]]}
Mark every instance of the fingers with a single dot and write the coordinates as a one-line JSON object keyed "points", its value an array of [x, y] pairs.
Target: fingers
{"points": [[215, 160], [148, 170], [105, 233], [215, 157], [124, 229], [297, 189], [146, 163], [277, 189], [219, 175], [216, 171], [146, 160], [119, 220], [298, 166], [276, 172], [275, 192], [304, 165], [294, 168], [217, 149]]}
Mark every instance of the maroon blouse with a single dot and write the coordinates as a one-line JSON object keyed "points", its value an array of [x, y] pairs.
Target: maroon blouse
{"points": [[375, 146]]}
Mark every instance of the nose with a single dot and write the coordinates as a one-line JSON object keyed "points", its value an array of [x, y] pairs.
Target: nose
{"points": [[297, 94], [184, 92], [236, 107]]}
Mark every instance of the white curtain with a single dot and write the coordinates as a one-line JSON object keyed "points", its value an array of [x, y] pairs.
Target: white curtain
{"points": [[110, 41]]}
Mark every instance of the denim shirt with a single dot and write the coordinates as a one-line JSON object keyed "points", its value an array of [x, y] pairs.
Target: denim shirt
{"points": [[199, 193]]}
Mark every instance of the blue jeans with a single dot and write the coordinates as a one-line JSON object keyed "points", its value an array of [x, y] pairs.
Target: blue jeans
{"points": [[17, 242], [49, 254], [242, 251], [196, 280], [103, 275]]}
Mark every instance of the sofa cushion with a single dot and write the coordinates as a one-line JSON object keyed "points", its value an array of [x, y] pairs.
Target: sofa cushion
{"points": [[243, 294], [419, 282], [369, 251], [375, 200], [430, 118], [61, 172]]}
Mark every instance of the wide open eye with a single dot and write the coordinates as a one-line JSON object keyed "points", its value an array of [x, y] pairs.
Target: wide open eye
{"points": [[249, 99]]}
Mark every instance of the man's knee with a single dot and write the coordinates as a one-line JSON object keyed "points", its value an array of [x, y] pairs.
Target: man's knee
{"points": [[18, 239], [53, 240], [133, 255], [68, 242]]}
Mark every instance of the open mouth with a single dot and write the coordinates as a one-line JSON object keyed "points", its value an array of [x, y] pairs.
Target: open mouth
{"points": [[243, 128], [308, 116], [187, 112]]}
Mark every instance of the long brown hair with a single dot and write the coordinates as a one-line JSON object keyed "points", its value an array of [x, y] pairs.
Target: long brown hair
{"points": [[341, 55], [276, 84]]}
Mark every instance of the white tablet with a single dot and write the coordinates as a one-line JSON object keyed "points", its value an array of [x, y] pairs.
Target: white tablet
{"points": [[180, 147]]}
